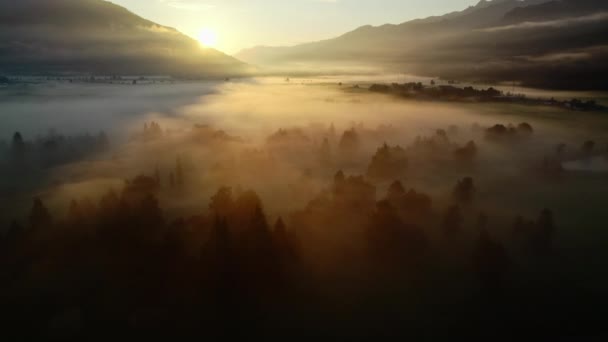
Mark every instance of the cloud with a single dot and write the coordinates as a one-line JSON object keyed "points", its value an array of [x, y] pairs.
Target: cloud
{"points": [[550, 24]]}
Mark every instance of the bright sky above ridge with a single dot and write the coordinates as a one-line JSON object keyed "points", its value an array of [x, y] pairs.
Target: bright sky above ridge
{"points": [[233, 25]]}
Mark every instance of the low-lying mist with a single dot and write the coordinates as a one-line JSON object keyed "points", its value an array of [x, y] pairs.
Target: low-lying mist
{"points": [[269, 123], [382, 200]]}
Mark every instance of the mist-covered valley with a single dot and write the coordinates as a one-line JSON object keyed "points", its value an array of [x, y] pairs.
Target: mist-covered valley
{"points": [[261, 207]]}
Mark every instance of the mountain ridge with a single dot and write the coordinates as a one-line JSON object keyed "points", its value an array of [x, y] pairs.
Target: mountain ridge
{"points": [[482, 4], [491, 42], [99, 37]]}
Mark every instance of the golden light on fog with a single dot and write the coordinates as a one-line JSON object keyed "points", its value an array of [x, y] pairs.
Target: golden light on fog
{"points": [[207, 37]]}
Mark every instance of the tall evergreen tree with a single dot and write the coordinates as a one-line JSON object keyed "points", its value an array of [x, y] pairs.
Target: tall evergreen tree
{"points": [[39, 215], [179, 173]]}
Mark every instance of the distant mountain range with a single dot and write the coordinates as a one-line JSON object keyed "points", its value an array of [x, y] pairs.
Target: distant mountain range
{"points": [[61, 37], [541, 43]]}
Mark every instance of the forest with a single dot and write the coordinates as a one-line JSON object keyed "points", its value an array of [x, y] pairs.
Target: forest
{"points": [[387, 251]]}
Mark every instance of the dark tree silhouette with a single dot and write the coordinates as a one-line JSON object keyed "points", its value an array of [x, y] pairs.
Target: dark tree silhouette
{"points": [[286, 243], [482, 221], [464, 192], [391, 241], [588, 147], [219, 254], [179, 173], [452, 220], [388, 163], [157, 176], [442, 136], [152, 131], [349, 143], [139, 188], [560, 150], [108, 205], [536, 237], [331, 132], [466, 153], [491, 263], [12, 234], [18, 142], [222, 204], [172, 180], [412, 207], [500, 133], [542, 239], [552, 167], [383, 233], [353, 193], [18, 148], [246, 207], [222, 270], [525, 128], [339, 183], [325, 153], [40, 216], [150, 213], [75, 213], [395, 192]]}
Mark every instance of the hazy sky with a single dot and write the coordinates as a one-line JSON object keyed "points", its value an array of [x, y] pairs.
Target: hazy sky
{"points": [[241, 24]]}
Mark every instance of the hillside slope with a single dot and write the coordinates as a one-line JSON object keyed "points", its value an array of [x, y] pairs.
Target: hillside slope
{"points": [[98, 37], [543, 43]]}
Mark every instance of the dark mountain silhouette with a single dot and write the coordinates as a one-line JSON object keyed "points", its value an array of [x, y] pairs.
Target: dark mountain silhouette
{"points": [[554, 10], [95, 36], [544, 43]]}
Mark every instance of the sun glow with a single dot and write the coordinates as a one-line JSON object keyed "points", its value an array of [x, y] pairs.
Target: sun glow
{"points": [[207, 38]]}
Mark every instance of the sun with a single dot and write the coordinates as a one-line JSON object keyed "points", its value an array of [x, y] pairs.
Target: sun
{"points": [[207, 37]]}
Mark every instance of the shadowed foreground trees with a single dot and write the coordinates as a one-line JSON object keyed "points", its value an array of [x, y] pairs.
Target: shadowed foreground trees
{"points": [[120, 265], [491, 262]]}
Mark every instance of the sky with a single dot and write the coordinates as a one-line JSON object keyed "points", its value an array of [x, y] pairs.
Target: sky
{"points": [[233, 25]]}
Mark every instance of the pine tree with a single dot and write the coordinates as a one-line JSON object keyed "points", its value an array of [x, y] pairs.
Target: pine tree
{"points": [[75, 214], [179, 173], [39, 215], [18, 144], [452, 221], [172, 180], [157, 176], [325, 152]]}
